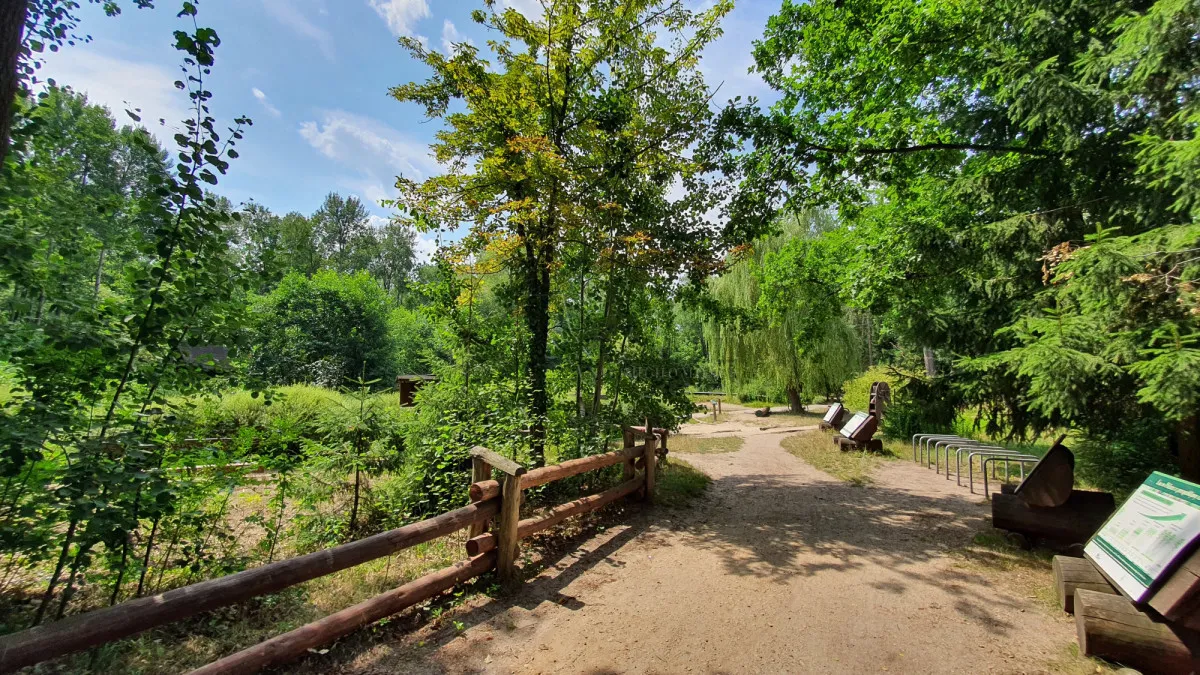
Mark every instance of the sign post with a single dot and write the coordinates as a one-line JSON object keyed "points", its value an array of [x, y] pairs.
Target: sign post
{"points": [[1141, 544]]}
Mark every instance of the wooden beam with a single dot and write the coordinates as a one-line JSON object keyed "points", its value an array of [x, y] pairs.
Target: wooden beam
{"points": [[487, 542], [129, 618], [498, 461], [1179, 597], [292, 645], [509, 539], [1072, 574], [1073, 522], [1109, 626], [490, 489]]}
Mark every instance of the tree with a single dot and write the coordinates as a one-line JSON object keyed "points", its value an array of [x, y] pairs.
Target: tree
{"points": [[325, 330], [1017, 179], [395, 258], [776, 333], [343, 233], [523, 147], [301, 248]]}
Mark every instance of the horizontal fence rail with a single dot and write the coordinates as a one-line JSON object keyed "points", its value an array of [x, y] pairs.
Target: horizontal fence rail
{"points": [[492, 500], [134, 616]]}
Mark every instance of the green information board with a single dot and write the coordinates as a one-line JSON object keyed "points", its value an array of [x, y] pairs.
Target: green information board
{"points": [[1142, 541]]}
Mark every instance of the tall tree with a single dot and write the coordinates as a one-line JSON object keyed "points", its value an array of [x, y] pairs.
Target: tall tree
{"points": [[341, 227], [522, 148]]}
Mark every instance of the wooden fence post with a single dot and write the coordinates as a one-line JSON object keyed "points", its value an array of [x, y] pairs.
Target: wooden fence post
{"points": [[510, 521], [651, 463], [509, 518], [480, 471], [627, 443]]}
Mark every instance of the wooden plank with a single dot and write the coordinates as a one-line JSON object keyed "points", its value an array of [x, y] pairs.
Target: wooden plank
{"points": [[498, 461], [480, 471], [1179, 597], [509, 521], [1051, 480], [292, 645], [134, 616], [1071, 574], [627, 442], [1110, 627]]}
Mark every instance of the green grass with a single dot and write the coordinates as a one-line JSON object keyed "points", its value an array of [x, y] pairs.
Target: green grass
{"points": [[705, 446], [679, 483], [817, 449]]}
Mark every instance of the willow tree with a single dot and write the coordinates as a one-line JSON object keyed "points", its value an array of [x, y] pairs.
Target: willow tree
{"points": [[526, 134], [788, 334]]}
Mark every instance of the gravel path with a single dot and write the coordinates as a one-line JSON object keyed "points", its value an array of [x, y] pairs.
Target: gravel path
{"points": [[780, 568]]}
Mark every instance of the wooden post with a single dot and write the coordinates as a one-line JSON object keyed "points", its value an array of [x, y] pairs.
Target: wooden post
{"points": [[627, 443], [509, 517], [1072, 574], [714, 407], [480, 471], [510, 520], [651, 463]]}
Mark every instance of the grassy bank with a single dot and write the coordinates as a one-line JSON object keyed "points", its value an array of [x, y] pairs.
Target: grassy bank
{"points": [[817, 449]]}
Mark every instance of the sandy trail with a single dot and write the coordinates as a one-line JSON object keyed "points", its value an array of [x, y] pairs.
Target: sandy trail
{"points": [[780, 568]]}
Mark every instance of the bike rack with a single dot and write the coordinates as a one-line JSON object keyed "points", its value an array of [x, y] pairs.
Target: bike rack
{"points": [[1011, 454], [927, 439], [947, 444], [958, 459], [1021, 460]]}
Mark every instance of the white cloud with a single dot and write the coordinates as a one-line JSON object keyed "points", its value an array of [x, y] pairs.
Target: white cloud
{"points": [[376, 151], [121, 85], [400, 15], [451, 37], [286, 12], [530, 9], [266, 103]]}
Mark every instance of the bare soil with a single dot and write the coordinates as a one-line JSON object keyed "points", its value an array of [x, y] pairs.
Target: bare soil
{"points": [[779, 568]]}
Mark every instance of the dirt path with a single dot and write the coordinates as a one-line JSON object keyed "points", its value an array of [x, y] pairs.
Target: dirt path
{"points": [[780, 568]]}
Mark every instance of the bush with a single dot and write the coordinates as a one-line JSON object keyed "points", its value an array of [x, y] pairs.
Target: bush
{"points": [[1120, 461], [324, 330], [858, 391]]}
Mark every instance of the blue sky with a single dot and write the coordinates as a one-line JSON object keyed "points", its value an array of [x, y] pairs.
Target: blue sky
{"points": [[314, 75]]}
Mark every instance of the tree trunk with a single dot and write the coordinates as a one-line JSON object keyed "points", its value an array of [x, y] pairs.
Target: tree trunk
{"points": [[794, 402], [1187, 442], [930, 363], [99, 274], [603, 348], [538, 320], [12, 29]]}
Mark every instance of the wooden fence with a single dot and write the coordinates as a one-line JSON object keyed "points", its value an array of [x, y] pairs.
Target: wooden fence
{"points": [[496, 529]]}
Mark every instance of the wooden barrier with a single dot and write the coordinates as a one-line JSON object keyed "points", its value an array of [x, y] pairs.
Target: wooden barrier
{"points": [[134, 616], [1109, 626], [291, 645], [38, 644]]}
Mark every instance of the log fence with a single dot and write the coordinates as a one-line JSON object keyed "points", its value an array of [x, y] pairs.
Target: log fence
{"points": [[493, 503]]}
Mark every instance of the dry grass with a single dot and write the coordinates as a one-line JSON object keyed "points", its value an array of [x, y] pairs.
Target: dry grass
{"points": [[817, 449], [705, 446]]}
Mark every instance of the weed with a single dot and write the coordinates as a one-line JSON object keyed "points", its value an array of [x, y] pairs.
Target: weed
{"points": [[705, 446]]}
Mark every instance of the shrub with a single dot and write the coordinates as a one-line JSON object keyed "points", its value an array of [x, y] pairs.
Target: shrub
{"points": [[858, 391], [324, 330]]}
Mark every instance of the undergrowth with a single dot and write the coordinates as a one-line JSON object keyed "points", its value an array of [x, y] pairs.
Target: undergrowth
{"points": [[854, 467]]}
